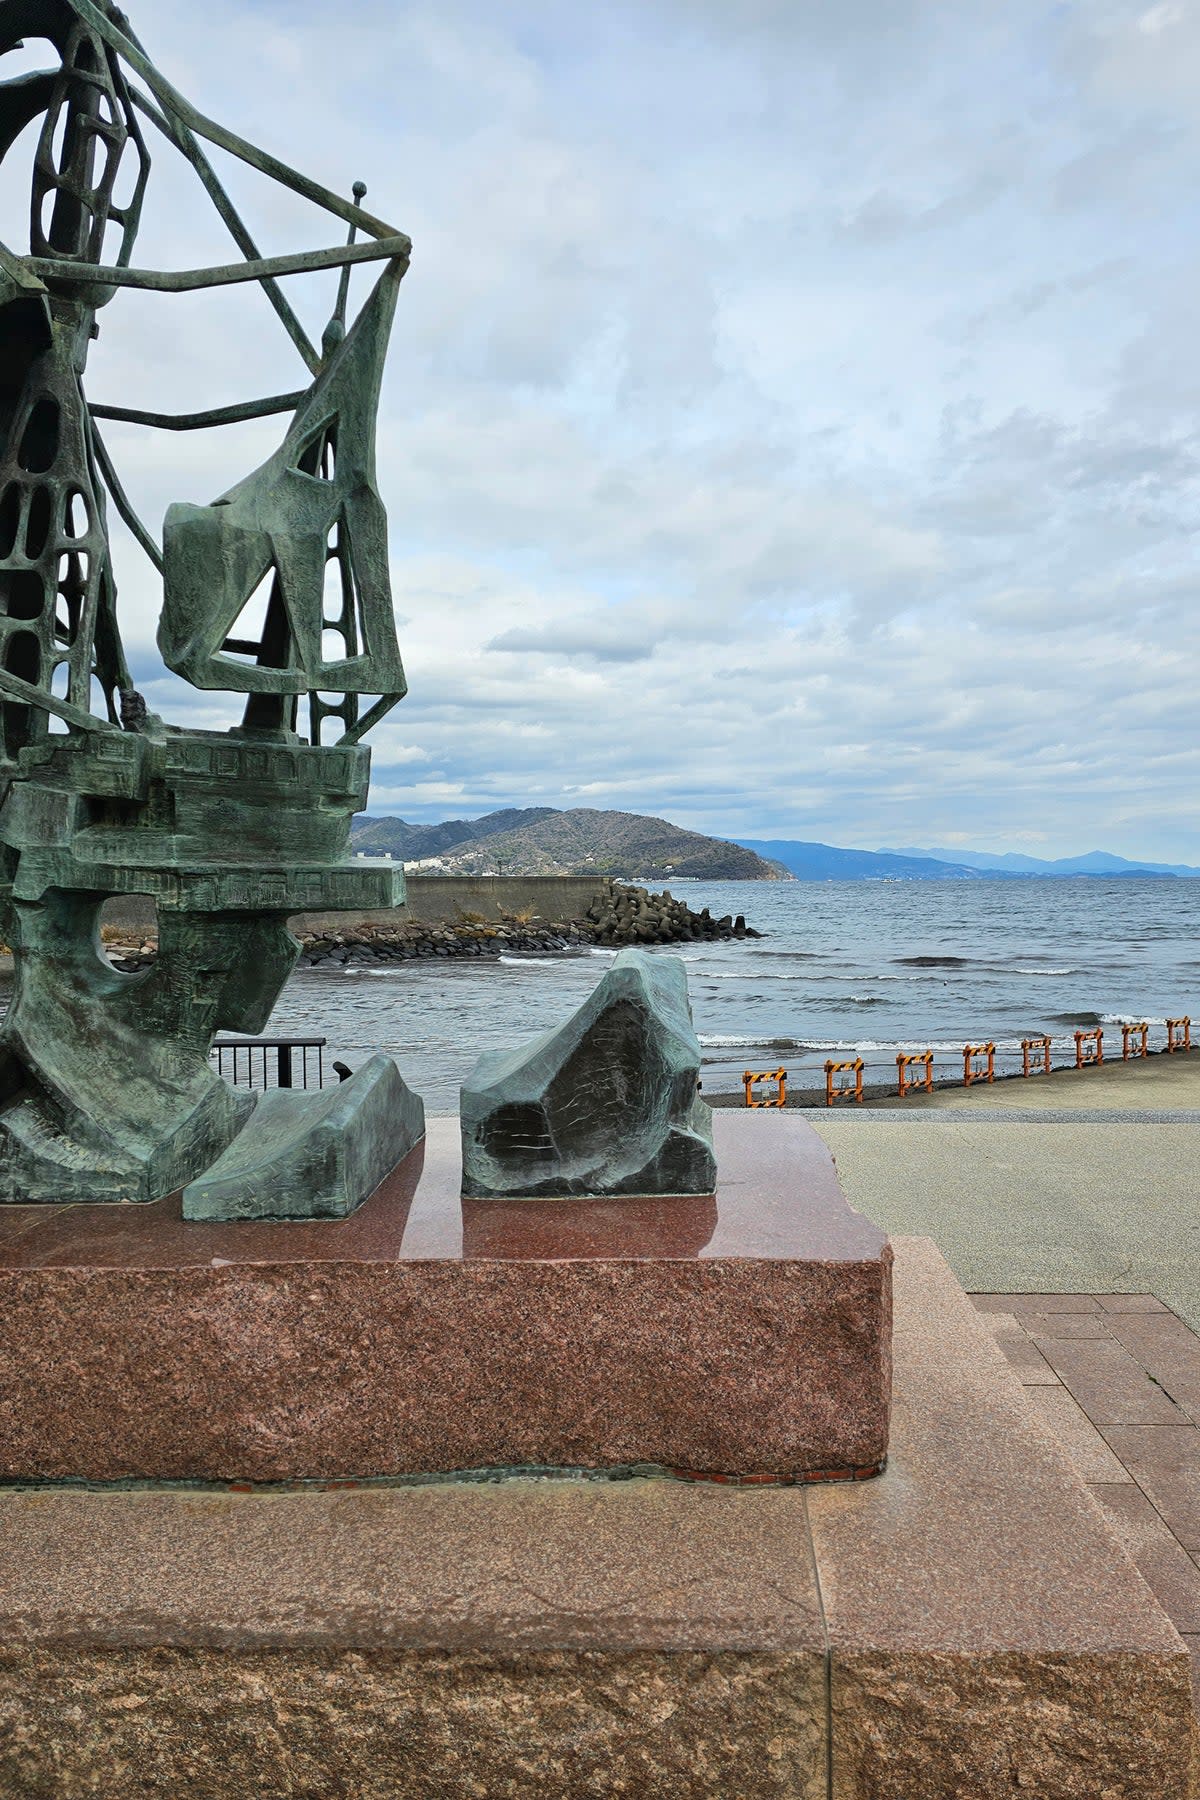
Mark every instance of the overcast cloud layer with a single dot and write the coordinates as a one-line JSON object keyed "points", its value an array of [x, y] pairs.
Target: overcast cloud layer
{"points": [[791, 426]]}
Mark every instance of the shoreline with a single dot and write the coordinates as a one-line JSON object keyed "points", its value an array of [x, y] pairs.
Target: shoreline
{"points": [[625, 917]]}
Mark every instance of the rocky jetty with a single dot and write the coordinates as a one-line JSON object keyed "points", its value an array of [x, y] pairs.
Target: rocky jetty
{"points": [[627, 915], [632, 915], [412, 943]]}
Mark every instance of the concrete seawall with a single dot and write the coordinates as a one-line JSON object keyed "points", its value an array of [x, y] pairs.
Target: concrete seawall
{"points": [[551, 898], [554, 898]]}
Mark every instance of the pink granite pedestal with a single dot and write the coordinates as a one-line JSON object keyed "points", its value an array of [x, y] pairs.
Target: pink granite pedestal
{"points": [[965, 1628], [744, 1334]]}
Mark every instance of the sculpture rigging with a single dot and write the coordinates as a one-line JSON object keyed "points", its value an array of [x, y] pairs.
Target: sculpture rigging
{"points": [[277, 590]]}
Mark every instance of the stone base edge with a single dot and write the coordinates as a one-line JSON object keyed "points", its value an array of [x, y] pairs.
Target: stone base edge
{"points": [[441, 1477], [425, 1725], [432, 1725], [929, 1725]]}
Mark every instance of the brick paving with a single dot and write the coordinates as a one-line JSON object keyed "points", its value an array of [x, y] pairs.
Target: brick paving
{"points": [[1116, 1379]]}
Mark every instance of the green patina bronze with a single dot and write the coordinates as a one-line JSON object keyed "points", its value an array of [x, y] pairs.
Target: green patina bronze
{"points": [[106, 1087], [605, 1105]]}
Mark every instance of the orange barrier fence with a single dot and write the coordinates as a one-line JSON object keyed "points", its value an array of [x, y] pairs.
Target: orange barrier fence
{"points": [[779, 1076], [853, 1091], [906, 1083], [915, 1069]]}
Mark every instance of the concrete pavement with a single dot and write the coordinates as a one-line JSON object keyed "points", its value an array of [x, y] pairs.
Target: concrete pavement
{"points": [[1099, 1199]]}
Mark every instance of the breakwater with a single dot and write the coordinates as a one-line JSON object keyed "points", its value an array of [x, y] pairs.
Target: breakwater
{"points": [[631, 915], [429, 899], [615, 916], [436, 899]]}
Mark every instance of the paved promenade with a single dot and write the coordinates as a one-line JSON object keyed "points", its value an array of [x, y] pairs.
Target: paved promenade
{"points": [[1070, 1207], [1116, 1379], [1083, 1182]]}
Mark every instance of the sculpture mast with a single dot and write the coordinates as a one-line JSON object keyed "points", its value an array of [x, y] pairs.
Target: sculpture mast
{"points": [[278, 590], [57, 594], [58, 625]]}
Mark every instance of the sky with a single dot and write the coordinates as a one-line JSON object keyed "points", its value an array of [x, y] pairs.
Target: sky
{"points": [[790, 426]]}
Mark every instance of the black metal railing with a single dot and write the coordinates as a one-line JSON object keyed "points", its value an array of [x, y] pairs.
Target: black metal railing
{"points": [[271, 1062]]}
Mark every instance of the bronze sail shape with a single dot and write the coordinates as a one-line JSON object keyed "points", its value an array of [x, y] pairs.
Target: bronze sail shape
{"points": [[312, 504]]}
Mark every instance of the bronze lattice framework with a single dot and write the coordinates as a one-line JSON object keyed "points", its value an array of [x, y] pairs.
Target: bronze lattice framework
{"points": [[106, 1090]]}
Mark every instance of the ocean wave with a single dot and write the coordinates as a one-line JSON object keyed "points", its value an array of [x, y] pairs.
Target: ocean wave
{"points": [[529, 962], [974, 965], [717, 1041], [933, 962], [889, 1047], [941, 1047], [1130, 1019], [792, 955], [749, 975], [1084, 1021]]}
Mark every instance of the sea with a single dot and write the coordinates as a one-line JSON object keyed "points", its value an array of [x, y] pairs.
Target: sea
{"points": [[843, 969]]}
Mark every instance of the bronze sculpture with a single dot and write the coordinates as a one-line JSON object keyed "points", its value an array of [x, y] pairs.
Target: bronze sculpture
{"points": [[106, 1089]]}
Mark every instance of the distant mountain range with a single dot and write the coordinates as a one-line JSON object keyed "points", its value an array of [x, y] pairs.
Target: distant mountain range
{"points": [[825, 862], [1096, 862], [540, 840]]}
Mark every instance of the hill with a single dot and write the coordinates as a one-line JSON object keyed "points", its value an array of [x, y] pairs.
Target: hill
{"points": [[412, 843], [541, 840]]}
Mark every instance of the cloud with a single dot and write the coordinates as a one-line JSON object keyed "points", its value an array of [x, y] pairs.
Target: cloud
{"points": [[790, 426], [616, 644]]}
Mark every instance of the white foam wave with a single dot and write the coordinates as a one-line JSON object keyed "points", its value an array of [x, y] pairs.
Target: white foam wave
{"points": [[529, 962], [813, 1045], [1043, 971], [720, 1041], [745, 975], [871, 1046]]}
